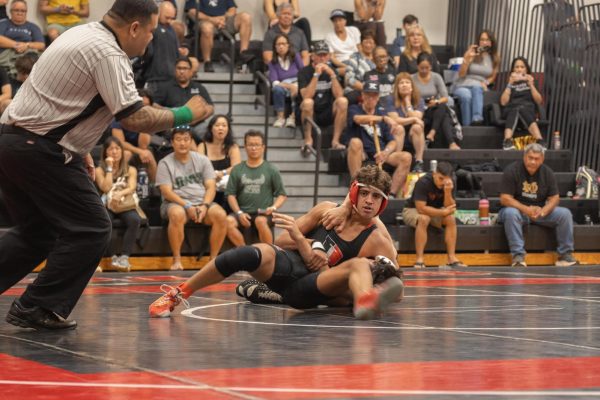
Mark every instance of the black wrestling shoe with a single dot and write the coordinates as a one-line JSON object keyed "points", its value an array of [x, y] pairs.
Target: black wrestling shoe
{"points": [[37, 318], [257, 292], [243, 286]]}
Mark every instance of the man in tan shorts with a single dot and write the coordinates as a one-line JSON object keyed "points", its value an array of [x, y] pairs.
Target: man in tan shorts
{"points": [[432, 203]]}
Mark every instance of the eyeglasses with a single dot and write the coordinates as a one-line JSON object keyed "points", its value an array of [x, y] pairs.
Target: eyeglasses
{"points": [[383, 57], [182, 68], [282, 44], [254, 145], [18, 10]]}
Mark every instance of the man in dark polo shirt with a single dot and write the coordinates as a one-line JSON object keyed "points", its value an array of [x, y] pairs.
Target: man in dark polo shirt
{"points": [[529, 194], [176, 93]]}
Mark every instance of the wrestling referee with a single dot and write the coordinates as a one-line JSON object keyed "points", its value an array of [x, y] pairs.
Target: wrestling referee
{"points": [[80, 83]]}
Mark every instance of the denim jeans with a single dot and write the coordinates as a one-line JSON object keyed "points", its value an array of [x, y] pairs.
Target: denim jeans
{"points": [[560, 218], [279, 96], [471, 103]]}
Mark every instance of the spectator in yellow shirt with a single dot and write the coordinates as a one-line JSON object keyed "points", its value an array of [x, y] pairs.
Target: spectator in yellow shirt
{"points": [[63, 14]]}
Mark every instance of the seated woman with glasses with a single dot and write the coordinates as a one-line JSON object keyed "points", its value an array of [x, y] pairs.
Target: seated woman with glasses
{"points": [[283, 74]]}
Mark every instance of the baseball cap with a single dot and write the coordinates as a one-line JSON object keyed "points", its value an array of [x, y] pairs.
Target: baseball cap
{"points": [[337, 13], [371, 87], [320, 47]]}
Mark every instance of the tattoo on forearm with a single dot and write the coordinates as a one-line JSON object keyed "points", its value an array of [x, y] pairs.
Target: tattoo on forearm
{"points": [[149, 119]]}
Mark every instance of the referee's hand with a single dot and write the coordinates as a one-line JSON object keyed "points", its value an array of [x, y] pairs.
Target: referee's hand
{"points": [[198, 106]]}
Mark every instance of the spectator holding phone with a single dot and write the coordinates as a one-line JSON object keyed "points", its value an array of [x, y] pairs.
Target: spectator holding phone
{"points": [[477, 73], [255, 188], [520, 100]]}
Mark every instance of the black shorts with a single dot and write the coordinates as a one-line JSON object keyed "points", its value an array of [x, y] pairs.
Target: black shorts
{"points": [[324, 115], [294, 282], [514, 115]]}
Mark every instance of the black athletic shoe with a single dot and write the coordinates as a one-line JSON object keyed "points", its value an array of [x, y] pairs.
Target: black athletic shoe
{"points": [[418, 168], [208, 66], [257, 292], [508, 144], [243, 286], [37, 318]]}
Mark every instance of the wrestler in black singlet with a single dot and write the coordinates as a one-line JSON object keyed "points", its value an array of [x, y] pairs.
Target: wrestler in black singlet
{"points": [[295, 283]]}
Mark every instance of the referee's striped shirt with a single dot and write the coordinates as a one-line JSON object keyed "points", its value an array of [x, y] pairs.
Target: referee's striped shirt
{"points": [[79, 84]]}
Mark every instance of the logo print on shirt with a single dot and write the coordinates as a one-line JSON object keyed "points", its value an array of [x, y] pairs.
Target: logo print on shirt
{"points": [[334, 254], [530, 190], [252, 186]]}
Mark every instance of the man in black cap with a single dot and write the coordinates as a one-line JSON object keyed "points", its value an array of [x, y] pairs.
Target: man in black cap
{"points": [[320, 89], [364, 122], [343, 41]]}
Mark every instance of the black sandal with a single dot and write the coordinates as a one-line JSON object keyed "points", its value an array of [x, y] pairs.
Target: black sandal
{"points": [[419, 265]]}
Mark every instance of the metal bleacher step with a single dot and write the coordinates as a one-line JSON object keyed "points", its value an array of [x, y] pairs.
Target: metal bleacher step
{"points": [[307, 178], [303, 204], [223, 77], [307, 191], [491, 182], [307, 166], [237, 99], [558, 160], [252, 119], [579, 208], [239, 129], [240, 110], [221, 88], [477, 238], [482, 137]]}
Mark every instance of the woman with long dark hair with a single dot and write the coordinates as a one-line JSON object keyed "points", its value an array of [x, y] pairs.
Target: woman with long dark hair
{"points": [[283, 74], [112, 169], [224, 154], [477, 73], [520, 100], [222, 151]]}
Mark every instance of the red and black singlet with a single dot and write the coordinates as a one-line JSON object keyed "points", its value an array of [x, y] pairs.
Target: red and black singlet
{"points": [[339, 250]]}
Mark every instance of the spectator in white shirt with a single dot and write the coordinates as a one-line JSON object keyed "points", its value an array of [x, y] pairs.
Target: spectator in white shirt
{"points": [[343, 41]]}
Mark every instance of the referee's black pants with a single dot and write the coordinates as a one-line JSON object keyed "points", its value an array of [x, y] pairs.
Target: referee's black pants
{"points": [[58, 216]]}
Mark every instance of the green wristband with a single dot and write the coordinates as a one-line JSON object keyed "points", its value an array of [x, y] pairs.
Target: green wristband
{"points": [[182, 116]]}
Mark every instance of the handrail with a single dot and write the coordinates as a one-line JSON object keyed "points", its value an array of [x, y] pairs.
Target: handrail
{"points": [[231, 62], [196, 38], [317, 153], [260, 77]]}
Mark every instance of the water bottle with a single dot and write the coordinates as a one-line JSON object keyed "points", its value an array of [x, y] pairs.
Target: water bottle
{"points": [[484, 211], [142, 184], [556, 140], [588, 219], [433, 165]]}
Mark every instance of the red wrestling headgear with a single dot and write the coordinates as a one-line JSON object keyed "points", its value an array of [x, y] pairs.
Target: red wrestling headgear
{"points": [[355, 187]]}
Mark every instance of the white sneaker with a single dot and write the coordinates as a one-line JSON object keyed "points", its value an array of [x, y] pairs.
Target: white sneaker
{"points": [[279, 123], [114, 261], [123, 264], [290, 122]]}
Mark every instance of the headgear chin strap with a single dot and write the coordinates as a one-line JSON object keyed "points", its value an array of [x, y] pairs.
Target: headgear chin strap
{"points": [[354, 189]]}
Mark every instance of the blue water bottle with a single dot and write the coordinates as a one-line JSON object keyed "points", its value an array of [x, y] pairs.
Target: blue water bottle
{"points": [[142, 184]]}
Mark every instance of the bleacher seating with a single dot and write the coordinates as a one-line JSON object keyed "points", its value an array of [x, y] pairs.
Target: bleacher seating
{"points": [[480, 144]]}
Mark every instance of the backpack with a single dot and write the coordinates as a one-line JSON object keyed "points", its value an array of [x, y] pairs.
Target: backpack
{"points": [[586, 183]]}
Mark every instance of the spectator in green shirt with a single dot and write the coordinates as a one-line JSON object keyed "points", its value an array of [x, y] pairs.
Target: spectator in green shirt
{"points": [[255, 189]]}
